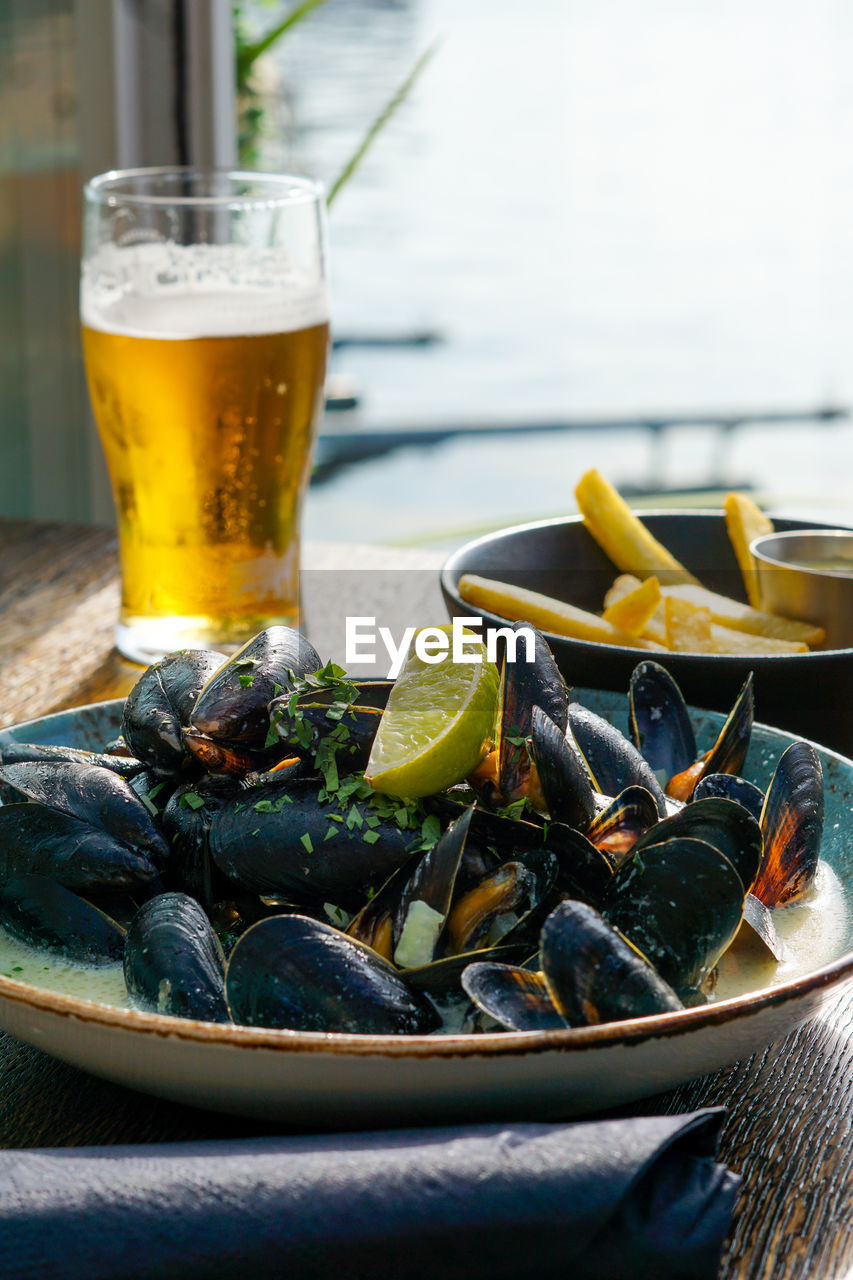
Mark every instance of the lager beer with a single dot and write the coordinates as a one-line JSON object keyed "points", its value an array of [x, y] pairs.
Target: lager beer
{"points": [[206, 382]]}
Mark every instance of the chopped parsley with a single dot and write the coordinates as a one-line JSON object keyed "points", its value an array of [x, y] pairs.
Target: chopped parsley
{"points": [[190, 800]]}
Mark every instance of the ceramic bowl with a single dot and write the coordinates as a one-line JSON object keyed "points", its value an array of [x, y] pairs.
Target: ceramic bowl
{"points": [[340, 1081], [808, 694]]}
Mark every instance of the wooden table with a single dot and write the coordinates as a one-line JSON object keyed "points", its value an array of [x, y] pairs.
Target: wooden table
{"points": [[790, 1126]]}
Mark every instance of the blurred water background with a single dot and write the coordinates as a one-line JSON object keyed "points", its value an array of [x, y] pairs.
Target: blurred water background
{"points": [[605, 210]]}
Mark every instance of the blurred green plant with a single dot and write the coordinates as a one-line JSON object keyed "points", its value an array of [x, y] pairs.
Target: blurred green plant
{"points": [[250, 101]]}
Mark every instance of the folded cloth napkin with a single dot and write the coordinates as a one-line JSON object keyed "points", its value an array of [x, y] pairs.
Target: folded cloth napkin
{"points": [[629, 1198]]}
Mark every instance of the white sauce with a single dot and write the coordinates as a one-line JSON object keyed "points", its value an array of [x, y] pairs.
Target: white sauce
{"points": [[813, 933], [103, 984]]}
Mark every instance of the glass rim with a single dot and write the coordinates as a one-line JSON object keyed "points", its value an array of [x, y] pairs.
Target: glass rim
{"points": [[293, 189]]}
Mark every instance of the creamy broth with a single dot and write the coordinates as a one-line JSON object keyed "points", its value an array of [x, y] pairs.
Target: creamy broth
{"points": [[812, 931], [103, 984]]}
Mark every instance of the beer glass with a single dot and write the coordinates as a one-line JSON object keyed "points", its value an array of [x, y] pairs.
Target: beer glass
{"points": [[204, 311]]}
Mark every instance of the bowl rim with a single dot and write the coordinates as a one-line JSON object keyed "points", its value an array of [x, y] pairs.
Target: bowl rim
{"points": [[452, 570], [759, 549], [500, 1044]]}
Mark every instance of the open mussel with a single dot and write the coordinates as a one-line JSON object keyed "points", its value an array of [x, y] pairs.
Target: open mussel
{"points": [[728, 752], [42, 913], [294, 972], [405, 920], [501, 902], [659, 720], [620, 824], [84, 827], [173, 962], [792, 824], [681, 904], [583, 871]]}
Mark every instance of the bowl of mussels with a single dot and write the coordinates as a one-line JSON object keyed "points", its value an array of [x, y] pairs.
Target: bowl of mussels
{"points": [[204, 896]]}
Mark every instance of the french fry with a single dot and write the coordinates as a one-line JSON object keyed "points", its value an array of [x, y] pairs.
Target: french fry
{"points": [[741, 617], [622, 535], [520, 605], [745, 521], [633, 610], [728, 641], [688, 627], [655, 628]]}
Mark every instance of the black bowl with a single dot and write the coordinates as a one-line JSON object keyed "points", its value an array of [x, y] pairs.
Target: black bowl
{"points": [[808, 694]]}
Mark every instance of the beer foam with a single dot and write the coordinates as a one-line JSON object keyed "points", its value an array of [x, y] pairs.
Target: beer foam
{"points": [[200, 291]]}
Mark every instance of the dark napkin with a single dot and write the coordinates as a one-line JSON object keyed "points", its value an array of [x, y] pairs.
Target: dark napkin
{"points": [[612, 1198]]}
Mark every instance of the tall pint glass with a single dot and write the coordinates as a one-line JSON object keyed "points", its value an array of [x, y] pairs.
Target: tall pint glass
{"points": [[204, 310]]}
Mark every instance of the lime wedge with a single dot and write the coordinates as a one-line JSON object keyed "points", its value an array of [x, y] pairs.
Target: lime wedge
{"points": [[438, 724]]}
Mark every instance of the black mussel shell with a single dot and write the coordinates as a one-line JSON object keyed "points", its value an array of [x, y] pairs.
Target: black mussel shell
{"points": [[730, 786], [681, 904], [583, 871], [89, 794], [159, 705], [186, 824], [613, 762], [126, 766], [563, 778], [792, 823], [720, 822], [516, 998], [42, 913], [173, 962], [525, 685], [282, 839], [659, 720], [347, 714], [621, 823], [294, 972], [233, 705], [593, 975], [87, 828]]}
